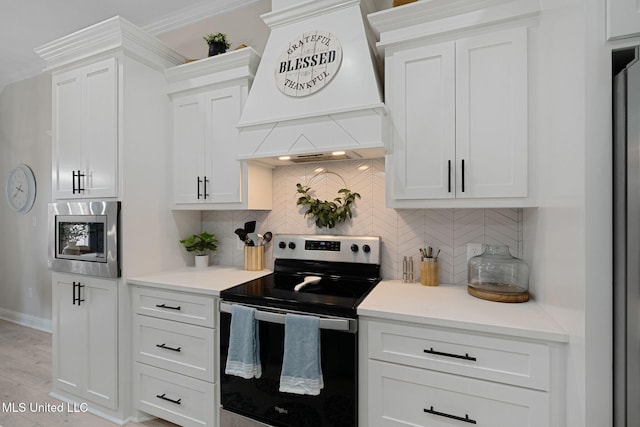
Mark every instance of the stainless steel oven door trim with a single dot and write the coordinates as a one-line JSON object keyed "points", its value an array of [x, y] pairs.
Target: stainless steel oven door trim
{"points": [[110, 209], [273, 315]]}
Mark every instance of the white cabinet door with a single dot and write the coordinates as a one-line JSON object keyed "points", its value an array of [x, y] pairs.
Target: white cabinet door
{"points": [[623, 18], [101, 371], [85, 338], [491, 115], [188, 149], [424, 120], [85, 131], [101, 129], [67, 133], [67, 342], [459, 111], [223, 108]]}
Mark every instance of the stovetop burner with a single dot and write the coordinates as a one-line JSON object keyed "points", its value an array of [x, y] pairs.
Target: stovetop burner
{"points": [[347, 273]]}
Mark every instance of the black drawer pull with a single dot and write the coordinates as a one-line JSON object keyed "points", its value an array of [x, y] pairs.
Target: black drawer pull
{"points": [[163, 345], [457, 356], [177, 402], [466, 418], [167, 306]]}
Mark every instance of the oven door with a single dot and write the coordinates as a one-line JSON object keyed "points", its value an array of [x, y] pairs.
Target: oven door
{"points": [[337, 403]]}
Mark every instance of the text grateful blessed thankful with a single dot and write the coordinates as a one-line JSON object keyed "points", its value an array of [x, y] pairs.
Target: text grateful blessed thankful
{"points": [[319, 57]]}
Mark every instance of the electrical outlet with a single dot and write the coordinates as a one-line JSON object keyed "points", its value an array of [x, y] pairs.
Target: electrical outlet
{"points": [[474, 249]]}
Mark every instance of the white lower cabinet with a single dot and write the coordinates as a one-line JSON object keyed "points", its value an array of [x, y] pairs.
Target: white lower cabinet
{"points": [[405, 396], [174, 356], [85, 338], [418, 375], [183, 400]]}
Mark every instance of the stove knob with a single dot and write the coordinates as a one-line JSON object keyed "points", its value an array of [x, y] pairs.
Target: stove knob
{"points": [[282, 245], [292, 245], [366, 249], [354, 248]]}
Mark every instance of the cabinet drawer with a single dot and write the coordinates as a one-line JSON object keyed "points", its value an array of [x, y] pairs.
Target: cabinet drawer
{"points": [[178, 347], [496, 359], [404, 396], [187, 308], [173, 397]]}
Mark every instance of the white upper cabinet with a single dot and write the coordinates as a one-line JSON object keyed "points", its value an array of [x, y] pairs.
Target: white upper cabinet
{"points": [[424, 122], [85, 140], [205, 167], [208, 96], [623, 19], [108, 104], [457, 93], [491, 115]]}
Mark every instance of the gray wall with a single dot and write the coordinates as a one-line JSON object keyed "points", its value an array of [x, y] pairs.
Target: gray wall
{"points": [[25, 124]]}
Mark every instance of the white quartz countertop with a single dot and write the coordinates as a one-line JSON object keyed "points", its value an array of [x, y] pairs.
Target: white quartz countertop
{"points": [[210, 281], [451, 306]]}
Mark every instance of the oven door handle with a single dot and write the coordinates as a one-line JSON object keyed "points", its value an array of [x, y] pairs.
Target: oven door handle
{"points": [[333, 323]]}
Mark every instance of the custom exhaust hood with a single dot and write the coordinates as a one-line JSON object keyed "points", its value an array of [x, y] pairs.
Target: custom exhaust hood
{"points": [[316, 94]]}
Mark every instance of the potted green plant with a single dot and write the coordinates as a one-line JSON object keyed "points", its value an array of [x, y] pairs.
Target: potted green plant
{"points": [[327, 213], [202, 244], [217, 43]]}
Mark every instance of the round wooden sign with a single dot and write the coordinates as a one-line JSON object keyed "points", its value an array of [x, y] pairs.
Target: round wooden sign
{"points": [[308, 64]]}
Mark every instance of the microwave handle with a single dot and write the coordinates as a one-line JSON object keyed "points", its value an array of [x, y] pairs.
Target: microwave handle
{"points": [[337, 324]]}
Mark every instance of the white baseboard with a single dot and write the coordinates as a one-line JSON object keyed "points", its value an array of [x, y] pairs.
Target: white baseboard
{"points": [[26, 320]]}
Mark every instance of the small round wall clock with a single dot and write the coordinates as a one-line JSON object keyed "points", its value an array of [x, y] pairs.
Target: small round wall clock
{"points": [[21, 189]]}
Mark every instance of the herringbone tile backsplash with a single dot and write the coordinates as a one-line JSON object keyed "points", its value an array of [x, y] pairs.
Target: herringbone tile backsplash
{"points": [[403, 231]]}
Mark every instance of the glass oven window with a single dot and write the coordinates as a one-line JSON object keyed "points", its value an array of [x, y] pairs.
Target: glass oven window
{"points": [[81, 238]]}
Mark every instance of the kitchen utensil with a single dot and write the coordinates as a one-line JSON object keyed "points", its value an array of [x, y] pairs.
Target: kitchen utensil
{"points": [[250, 227], [308, 280], [267, 237], [241, 234], [253, 238]]}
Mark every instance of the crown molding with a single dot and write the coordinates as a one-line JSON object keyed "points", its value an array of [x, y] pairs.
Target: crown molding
{"points": [[423, 19], [192, 14], [233, 65], [305, 11], [112, 35]]}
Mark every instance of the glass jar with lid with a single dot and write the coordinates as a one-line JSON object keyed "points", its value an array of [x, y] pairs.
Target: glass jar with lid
{"points": [[496, 275]]}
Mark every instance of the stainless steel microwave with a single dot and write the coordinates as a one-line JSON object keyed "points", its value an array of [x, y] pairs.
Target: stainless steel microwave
{"points": [[83, 237]]}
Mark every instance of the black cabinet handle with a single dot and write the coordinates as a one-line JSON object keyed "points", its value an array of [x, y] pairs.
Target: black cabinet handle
{"points": [[168, 307], [466, 418], [162, 396], [463, 175], [205, 187], [77, 175], [199, 194], [80, 299], [73, 191], [457, 356], [449, 177], [77, 298], [163, 345]]}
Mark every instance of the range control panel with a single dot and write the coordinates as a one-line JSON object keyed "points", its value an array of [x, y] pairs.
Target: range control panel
{"points": [[360, 249]]}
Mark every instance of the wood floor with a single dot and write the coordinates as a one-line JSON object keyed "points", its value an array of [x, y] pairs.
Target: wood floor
{"points": [[25, 378]]}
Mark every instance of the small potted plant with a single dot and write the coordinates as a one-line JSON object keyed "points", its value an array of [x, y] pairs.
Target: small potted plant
{"points": [[217, 43], [202, 244]]}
